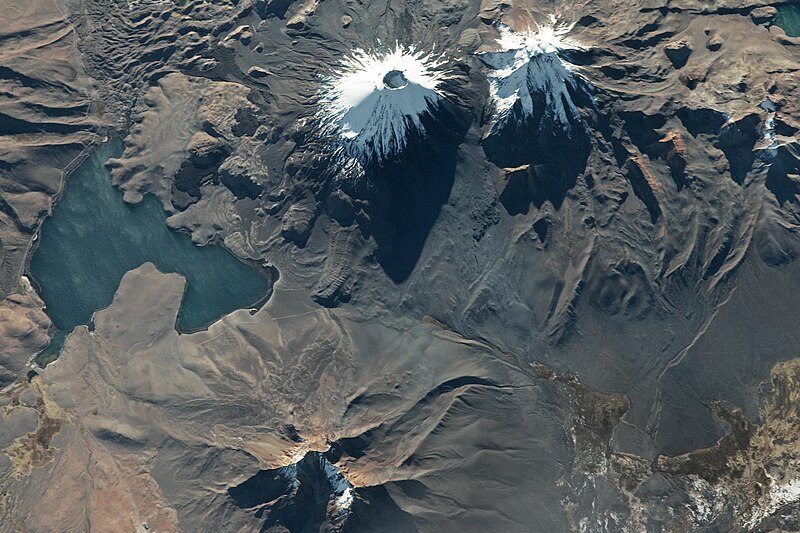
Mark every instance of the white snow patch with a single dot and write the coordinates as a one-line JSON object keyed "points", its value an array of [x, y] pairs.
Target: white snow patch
{"points": [[290, 473], [342, 490], [528, 63], [780, 494], [374, 100], [705, 502], [339, 483], [769, 142], [769, 138], [343, 501]]}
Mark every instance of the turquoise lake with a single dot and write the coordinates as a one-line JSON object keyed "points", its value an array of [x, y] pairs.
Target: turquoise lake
{"points": [[788, 18], [93, 238]]}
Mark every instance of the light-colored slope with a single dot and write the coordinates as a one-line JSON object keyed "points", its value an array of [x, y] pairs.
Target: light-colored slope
{"points": [[372, 115]]}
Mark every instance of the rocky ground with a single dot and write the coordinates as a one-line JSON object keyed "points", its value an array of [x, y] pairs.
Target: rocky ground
{"points": [[580, 325]]}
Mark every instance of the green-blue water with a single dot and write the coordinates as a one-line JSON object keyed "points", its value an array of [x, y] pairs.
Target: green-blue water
{"points": [[93, 238], [788, 18], [51, 353]]}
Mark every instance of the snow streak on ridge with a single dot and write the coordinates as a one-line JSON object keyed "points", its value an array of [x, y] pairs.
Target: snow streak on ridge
{"points": [[374, 99], [528, 64]]}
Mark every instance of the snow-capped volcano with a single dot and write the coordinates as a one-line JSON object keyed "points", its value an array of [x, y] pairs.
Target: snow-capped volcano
{"points": [[528, 64], [375, 99]]}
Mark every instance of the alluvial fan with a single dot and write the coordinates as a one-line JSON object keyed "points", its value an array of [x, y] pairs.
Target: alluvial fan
{"points": [[375, 99]]}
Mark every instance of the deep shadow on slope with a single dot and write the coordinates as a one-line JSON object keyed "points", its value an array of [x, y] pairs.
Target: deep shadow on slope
{"points": [[300, 499], [406, 195], [294, 498], [375, 510], [552, 155]]}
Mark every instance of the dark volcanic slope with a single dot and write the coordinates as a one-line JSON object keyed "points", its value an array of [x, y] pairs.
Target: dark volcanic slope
{"points": [[588, 326]]}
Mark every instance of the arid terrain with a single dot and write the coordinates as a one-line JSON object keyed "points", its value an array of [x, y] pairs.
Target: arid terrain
{"points": [[556, 287]]}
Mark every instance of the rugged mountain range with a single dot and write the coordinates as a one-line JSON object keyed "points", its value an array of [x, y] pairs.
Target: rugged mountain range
{"points": [[565, 301]]}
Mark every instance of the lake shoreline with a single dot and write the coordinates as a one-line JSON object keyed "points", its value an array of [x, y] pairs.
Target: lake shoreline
{"points": [[211, 280]]}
